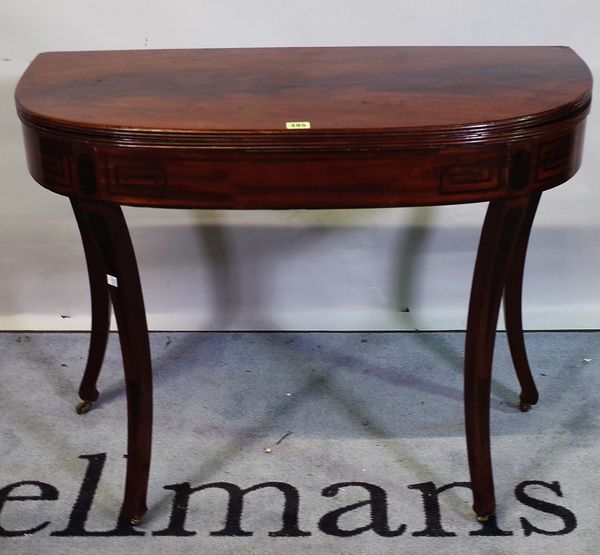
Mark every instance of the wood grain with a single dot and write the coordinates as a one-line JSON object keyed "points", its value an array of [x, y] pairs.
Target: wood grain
{"points": [[394, 126], [336, 89]]}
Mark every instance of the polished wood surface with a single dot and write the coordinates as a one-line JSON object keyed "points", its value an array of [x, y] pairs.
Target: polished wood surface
{"points": [[336, 89], [513, 293], [105, 226], [207, 128], [394, 126]]}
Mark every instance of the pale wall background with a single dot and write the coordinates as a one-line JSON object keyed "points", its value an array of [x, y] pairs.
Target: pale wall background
{"points": [[292, 270]]}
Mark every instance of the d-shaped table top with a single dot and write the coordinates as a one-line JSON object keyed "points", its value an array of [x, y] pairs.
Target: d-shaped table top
{"points": [[304, 127], [446, 93], [462, 90]]}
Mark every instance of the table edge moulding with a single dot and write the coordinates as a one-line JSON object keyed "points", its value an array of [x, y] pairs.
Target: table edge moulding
{"points": [[277, 128]]}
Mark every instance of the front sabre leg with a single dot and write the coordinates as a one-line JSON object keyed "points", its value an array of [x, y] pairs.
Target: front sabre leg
{"points": [[112, 237], [498, 237], [100, 311], [513, 293]]}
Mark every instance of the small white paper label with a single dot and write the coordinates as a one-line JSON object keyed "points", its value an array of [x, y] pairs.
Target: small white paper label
{"points": [[112, 280], [297, 124]]}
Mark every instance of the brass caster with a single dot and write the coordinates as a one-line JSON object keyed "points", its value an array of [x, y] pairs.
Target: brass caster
{"points": [[524, 407], [483, 518], [83, 407], [135, 521]]}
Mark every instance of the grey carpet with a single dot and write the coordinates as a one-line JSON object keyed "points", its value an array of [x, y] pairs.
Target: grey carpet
{"points": [[309, 411]]}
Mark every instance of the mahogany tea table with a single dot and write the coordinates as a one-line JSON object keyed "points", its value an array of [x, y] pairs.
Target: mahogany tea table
{"points": [[305, 128]]}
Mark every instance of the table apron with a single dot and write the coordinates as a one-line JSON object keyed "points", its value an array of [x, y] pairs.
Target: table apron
{"points": [[193, 177]]}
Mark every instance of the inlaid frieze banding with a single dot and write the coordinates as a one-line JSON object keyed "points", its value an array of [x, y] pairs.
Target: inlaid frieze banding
{"points": [[144, 179]]}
